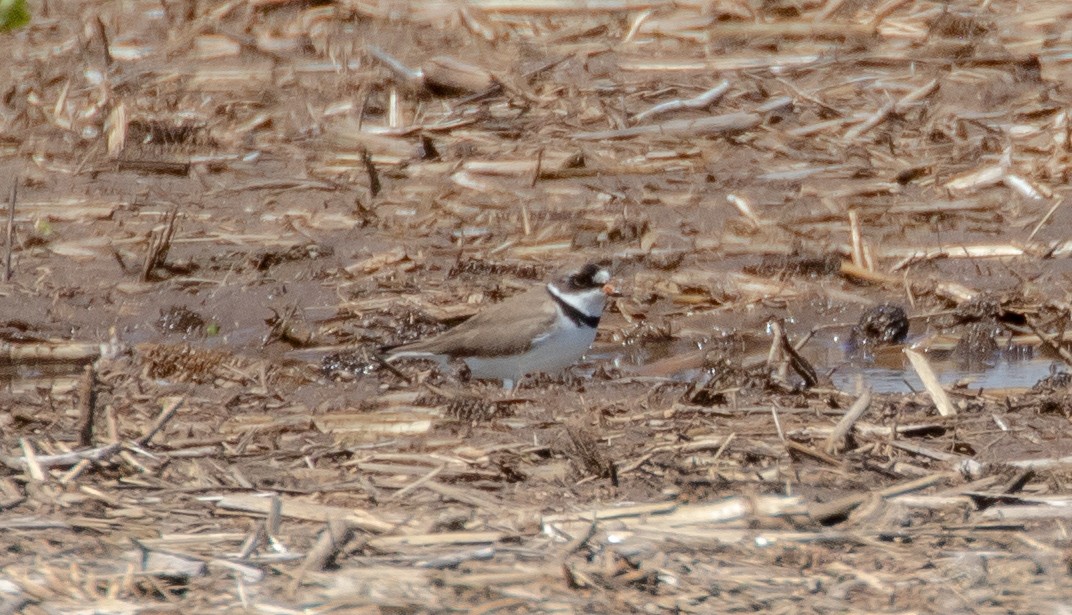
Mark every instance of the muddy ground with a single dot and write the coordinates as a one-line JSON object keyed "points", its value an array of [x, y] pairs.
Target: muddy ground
{"points": [[224, 210]]}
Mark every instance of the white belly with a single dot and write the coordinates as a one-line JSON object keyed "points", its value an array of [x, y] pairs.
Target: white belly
{"points": [[551, 355]]}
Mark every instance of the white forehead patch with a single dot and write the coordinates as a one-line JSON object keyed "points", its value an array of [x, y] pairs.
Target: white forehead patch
{"points": [[601, 277]]}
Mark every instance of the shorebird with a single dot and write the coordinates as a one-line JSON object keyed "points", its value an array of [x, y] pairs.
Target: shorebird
{"points": [[545, 329]]}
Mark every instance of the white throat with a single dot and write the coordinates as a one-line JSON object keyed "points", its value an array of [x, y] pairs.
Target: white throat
{"points": [[588, 302]]}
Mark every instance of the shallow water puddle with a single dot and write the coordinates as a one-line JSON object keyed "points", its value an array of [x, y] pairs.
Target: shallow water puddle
{"points": [[1018, 367], [1003, 371], [1005, 374]]}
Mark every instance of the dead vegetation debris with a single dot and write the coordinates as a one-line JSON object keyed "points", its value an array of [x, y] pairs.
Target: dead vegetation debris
{"points": [[758, 174], [182, 362], [797, 264], [481, 268]]}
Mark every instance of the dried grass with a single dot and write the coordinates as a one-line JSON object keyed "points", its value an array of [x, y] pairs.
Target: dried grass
{"points": [[420, 159]]}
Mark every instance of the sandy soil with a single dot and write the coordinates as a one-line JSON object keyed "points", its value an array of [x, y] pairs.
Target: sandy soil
{"points": [[224, 210]]}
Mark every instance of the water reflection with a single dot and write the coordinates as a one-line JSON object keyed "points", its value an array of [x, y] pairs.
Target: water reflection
{"points": [[888, 371]]}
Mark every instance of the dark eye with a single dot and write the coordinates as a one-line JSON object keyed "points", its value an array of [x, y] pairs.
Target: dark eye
{"points": [[585, 278]]}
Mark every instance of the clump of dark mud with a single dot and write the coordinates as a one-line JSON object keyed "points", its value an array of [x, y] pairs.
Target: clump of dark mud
{"points": [[722, 376], [390, 327], [266, 259], [985, 306], [1052, 394], [978, 344], [978, 325], [357, 362], [881, 325], [180, 319]]}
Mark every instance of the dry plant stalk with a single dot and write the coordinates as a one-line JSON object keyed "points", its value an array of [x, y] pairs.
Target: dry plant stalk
{"points": [[117, 128], [857, 410], [8, 248], [30, 459], [857, 240], [1051, 341], [337, 533], [159, 245], [827, 511], [931, 383], [58, 352], [783, 354], [63, 460], [730, 123], [87, 405], [370, 170], [454, 76], [166, 414], [699, 101]]}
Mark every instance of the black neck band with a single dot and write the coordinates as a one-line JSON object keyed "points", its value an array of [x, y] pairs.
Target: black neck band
{"points": [[578, 317]]}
